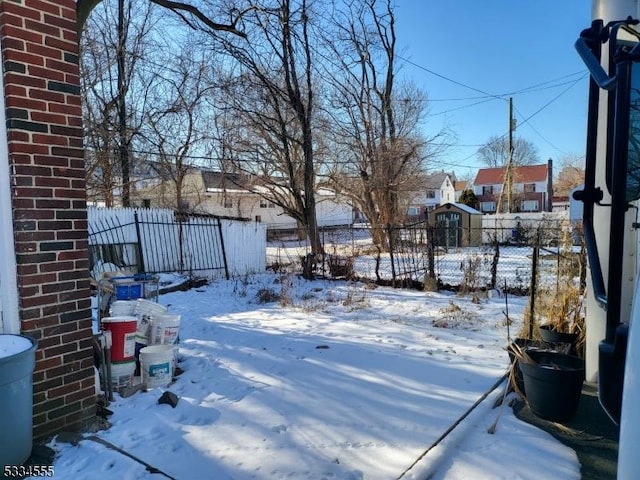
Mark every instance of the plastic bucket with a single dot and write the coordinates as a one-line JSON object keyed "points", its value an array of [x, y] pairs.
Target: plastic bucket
{"points": [[123, 333], [122, 308], [143, 330], [156, 365], [147, 307], [145, 310], [17, 362], [165, 329], [122, 374]]}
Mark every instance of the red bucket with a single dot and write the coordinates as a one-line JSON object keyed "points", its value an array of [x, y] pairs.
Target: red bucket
{"points": [[123, 337]]}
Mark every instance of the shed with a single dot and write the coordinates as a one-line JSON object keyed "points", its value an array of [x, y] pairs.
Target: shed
{"points": [[456, 225]]}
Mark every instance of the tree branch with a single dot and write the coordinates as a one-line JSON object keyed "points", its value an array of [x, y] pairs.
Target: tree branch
{"points": [[178, 7]]}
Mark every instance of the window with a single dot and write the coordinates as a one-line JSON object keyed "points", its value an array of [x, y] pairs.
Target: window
{"points": [[529, 187], [146, 203], [413, 211], [488, 206], [529, 206], [487, 190], [258, 218], [431, 194], [266, 204]]}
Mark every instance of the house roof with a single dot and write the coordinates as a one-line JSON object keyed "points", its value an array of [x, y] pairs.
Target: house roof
{"points": [[225, 181], [460, 185], [434, 181], [523, 174]]}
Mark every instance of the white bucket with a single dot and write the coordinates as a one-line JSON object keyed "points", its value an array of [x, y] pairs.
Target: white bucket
{"points": [[156, 365], [121, 308], [145, 310], [143, 332], [165, 329], [122, 374], [147, 307]]}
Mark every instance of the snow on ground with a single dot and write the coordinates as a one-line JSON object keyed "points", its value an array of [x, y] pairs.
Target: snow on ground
{"points": [[327, 380]]}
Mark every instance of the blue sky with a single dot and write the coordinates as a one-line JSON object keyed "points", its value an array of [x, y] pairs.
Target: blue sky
{"points": [[518, 48]]}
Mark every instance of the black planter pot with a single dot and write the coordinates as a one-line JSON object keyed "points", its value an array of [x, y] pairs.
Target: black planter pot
{"points": [[536, 345], [550, 335], [553, 385]]}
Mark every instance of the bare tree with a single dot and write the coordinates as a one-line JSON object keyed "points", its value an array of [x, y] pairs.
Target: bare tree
{"points": [[177, 128], [273, 98], [109, 60], [570, 176], [379, 152], [495, 153], [197, 15]]}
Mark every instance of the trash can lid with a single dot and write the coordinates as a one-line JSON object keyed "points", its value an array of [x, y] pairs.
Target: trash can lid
{"points": [[13, 344]]}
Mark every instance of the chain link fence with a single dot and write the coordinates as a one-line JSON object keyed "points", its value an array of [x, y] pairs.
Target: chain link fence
{"points": [[422, 255]]}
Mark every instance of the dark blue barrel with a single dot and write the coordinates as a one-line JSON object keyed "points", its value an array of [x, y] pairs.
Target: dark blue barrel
{"points": [[17, 362]]}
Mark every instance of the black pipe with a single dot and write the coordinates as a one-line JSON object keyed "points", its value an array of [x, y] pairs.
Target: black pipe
{"points": [[618, 196], [590, 195]]}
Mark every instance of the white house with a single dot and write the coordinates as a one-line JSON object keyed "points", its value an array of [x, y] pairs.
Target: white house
{"points": [[439, 188], [241, 196]]}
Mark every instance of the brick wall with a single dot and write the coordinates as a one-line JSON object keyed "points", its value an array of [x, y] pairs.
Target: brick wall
{"points": [[44, 124]]}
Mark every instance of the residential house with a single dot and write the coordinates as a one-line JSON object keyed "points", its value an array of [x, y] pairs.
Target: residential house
{"points": [[438, 189], [531, 189], [241, 196], [561, 203]]}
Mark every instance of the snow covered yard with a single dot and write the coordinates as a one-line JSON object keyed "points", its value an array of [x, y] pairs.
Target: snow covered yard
{"points": [[285, 378]]}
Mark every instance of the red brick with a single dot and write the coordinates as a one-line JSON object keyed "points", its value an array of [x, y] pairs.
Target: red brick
{"points": [[20, 10], [42, 28], [12, 43], [46, 73], [29, 36], [25, 80]]}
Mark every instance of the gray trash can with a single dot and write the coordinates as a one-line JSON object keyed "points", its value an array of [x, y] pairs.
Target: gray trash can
{"points": [[17, 362]]}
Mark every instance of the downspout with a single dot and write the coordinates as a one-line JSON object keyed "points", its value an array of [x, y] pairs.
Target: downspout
{"points": [[9, 316]]}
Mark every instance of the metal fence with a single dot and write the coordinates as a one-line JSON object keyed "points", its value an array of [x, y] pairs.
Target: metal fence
{"points": [[454, 258], [157, 240]]}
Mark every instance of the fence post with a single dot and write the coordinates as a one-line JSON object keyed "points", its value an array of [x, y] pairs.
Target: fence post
{"points": [[391, 246], [534, 280], [224, 253], [430, 252], [494, 262], [139, 244]]}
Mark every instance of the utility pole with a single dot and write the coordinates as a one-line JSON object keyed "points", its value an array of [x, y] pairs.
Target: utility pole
{"points": [[509, 172], [507, 181]]}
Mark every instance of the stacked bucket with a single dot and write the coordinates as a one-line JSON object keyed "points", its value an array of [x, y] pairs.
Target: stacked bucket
{"points": [[145, 339], [156, 339], [122, 324]]}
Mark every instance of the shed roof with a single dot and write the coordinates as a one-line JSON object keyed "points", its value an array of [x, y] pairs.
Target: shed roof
{"points": [[459, 206]]}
